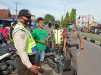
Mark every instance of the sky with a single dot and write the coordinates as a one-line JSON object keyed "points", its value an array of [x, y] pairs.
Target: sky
{"points": [[57, 8]]}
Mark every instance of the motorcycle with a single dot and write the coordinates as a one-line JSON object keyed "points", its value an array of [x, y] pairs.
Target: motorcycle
{"points": [[55, 58], [7, 61]]}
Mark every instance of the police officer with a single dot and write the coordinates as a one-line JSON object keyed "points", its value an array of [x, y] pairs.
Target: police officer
{"points": [[23, 42]]}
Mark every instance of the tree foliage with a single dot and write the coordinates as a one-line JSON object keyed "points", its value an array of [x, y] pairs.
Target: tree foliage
{"points": [[69, 18], [73, 15], [49, 18], [65, 20], [61, 22]]}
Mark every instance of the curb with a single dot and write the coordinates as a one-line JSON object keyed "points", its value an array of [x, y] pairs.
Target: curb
{"points": [[93, 41]]}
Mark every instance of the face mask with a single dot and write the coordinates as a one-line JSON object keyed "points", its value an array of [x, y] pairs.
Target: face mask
{"points": [[49, 25], [26, 20]]}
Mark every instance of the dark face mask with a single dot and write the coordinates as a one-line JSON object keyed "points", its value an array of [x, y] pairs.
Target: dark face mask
{"points": [[56, 26], [49, 25], [27, 20]]}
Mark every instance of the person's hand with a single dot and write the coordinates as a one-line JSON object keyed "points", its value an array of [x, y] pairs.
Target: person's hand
{"points": [[35, 69]]}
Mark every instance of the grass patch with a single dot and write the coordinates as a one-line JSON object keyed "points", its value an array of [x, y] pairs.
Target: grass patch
{"points": [[92, 36]]}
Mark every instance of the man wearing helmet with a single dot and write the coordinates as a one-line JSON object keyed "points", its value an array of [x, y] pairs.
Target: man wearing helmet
{"points": [[23, 42]]}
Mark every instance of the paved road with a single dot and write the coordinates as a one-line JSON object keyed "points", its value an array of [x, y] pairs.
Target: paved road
{"points": [[89, 61]]}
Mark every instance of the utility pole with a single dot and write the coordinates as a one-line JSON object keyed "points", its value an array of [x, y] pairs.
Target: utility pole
{"points": [[16, 10]]}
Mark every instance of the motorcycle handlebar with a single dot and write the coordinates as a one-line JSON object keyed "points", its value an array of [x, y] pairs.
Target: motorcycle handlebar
{"points": [[4, 56]]}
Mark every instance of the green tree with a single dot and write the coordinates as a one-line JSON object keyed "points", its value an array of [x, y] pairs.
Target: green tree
{"points": [[49, 18], [61, 22], [73, 15], [66, 20]]}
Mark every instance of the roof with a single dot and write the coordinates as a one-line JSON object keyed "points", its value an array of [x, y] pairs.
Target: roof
{"points": [[98, 26], [5, 14]]}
